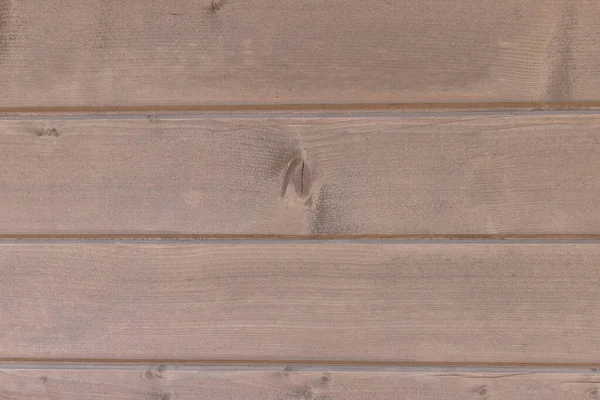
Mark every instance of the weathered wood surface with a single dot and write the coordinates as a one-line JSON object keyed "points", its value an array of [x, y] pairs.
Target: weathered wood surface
{"points": [[167, 53], [473, 175], [319, 301], [156, 384]]}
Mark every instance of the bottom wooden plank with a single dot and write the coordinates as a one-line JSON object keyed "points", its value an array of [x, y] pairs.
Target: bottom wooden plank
{"points": [[280, 385]]}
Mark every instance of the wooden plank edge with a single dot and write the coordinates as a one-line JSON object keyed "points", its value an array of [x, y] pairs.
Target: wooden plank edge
{"points": [[299, 365], [154, 116], [240, 107], [433, 238]]}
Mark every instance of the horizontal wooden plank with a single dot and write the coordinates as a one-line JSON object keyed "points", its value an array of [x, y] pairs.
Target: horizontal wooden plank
{"points": [[324, 301], [473, 175], [181, 52], [277, 385]]}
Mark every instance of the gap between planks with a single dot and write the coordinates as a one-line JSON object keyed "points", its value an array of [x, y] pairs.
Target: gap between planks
{"points": [[300, 366], [314, 239], [153, 115], [347, 107]]}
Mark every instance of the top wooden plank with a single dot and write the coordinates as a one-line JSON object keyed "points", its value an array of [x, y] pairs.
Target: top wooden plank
{"points": [[114, 53]]}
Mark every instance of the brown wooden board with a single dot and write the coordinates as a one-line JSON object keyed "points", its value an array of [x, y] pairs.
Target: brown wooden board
{"points": [[158, 384], [475, 175], [301, 302], [115, 53]]}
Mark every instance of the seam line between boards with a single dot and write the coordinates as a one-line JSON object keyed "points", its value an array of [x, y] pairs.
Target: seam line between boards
{"points": [[152, 111], [291, 239], [300, 366]]}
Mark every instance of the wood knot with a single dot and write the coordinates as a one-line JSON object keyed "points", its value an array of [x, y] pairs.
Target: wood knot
{"points": [[302, 182], [481, 390], [298, 174], [325, 378], [156, 373], [215, 5], [47, 132]]}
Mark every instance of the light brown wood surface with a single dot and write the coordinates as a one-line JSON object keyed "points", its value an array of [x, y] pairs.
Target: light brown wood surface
{"points": [[167, 53], [156, 384], [473, 175], [319, 301], [109, 194]]}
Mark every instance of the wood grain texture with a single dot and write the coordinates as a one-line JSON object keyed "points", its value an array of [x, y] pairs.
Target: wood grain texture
{"points": [[276, 385], [473, 175], [181, 52], [456, 303]]}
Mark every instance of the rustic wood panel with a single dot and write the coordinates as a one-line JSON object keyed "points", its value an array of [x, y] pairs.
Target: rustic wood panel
{"points": [[182, 52], [446, 303], [495, 175], [276, 385]]}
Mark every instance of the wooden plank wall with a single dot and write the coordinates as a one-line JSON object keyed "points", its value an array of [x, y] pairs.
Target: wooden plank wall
{"points": [[299, 199]]}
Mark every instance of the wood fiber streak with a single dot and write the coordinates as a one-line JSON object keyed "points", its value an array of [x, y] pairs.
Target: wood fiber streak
{"points": [[464, 175], [346, 302], [181, 52], [159, 384]]}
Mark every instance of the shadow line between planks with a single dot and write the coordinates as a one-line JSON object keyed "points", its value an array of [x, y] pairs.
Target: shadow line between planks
{"points": [[201, 238], [299, 365], [241, 107]]}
